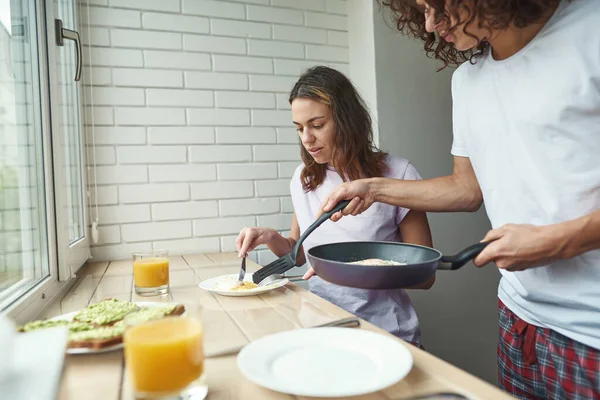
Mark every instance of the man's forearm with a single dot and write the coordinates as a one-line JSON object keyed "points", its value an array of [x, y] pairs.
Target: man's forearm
{"points": [[579, 235], [443, 194]]}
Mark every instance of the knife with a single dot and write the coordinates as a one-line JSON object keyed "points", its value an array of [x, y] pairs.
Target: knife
{"points": [[242, 271], [351, 322]]}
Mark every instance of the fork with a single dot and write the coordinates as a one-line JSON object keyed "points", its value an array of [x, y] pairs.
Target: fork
{"points": [[270, 279], [275, 277], [288, 261]]}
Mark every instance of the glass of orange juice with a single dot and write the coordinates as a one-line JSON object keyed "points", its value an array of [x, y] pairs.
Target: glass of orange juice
{"points": [[151, 273], [165, 356]]}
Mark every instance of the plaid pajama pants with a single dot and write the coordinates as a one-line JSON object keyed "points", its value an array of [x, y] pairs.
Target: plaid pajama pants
{"points": [[539, 363]]}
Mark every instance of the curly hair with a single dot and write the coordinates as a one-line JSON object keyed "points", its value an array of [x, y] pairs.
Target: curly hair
{"points": [[354, 154], [494, 14]]}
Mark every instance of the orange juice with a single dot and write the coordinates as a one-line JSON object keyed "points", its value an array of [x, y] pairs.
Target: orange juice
{"points": [[151, 272], [164, 355]]}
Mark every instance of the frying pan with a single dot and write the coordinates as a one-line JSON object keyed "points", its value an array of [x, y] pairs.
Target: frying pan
{"points": [[332, 263]]}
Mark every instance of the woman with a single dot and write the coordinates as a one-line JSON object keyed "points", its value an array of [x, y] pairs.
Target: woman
{"points": [[337, 145]]}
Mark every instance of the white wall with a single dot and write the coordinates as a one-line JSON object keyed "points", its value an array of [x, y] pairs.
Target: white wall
{"points": [[362, 56], [192, 128], [458, 315]]}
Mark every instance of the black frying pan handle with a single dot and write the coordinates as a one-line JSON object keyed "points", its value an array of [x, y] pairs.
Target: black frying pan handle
{"points": [[460, 259], [339, 207]]}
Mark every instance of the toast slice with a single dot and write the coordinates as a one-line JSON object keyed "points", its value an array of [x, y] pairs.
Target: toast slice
{"points": [[106, 312], [179, 309], [95, 344], [43, 324], [97, 338], [86, 331], [111, 335]]}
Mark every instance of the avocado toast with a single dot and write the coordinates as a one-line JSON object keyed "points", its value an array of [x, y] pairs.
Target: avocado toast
{"points": [[101, 325]]}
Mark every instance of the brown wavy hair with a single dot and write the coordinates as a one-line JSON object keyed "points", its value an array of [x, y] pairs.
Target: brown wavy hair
{"points": [[495, 14], [354, 154]]}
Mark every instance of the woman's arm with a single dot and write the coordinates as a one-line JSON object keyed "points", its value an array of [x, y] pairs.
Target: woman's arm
{"points": [[414, 229], [294, 236], [250, 238]]}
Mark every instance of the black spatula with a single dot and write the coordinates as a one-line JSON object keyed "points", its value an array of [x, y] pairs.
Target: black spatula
{"points": [[288, 261]]}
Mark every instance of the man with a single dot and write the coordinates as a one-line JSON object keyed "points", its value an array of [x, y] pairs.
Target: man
{"points": [[526, 121]]}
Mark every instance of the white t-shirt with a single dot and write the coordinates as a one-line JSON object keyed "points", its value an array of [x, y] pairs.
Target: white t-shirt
{"points": [[391, 310], [530, 125]]}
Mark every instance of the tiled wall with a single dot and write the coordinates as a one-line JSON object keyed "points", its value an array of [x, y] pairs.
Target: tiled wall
{"points": [[192, 127]]}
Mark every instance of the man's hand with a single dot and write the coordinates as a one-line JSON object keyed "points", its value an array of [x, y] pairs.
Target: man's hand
{"points": [[359, 191], [519, 247]]}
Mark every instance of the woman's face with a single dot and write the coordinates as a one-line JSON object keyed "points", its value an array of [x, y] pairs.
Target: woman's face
{"points": [[315, 127], [449, 31]]}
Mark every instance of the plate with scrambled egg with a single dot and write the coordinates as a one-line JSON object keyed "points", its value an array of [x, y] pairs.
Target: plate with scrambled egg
{"points": [[228, 285]]}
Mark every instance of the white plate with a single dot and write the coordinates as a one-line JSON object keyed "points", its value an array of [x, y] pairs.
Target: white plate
{"points": [[119, 346], [325, 362], [222, 285]]}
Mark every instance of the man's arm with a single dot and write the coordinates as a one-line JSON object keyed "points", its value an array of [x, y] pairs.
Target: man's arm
{"points": [[457, 192], [518, 247], [580, 235]]}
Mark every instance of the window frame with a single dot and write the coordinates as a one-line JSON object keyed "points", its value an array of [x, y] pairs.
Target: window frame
{"points": [[27, 305], [71, 256]]}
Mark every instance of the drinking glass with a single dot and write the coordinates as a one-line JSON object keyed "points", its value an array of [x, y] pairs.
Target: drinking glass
{"points": [[151, 273], [164, 356]]}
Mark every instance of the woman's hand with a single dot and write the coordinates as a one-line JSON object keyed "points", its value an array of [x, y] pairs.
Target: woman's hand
{"points": [[359, 191], [250, 238], [308, 273]]}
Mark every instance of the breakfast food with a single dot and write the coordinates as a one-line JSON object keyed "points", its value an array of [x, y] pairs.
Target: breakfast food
{"points": [[245, 286], [377, 261], [101, 325], [97, 337], [105, 312], [35, 325]]}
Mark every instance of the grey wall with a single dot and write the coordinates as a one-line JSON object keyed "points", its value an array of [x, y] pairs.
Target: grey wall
{"points": [[458, 315]]}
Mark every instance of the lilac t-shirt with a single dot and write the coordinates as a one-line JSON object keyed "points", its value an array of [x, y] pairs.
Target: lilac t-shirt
{"points": [[391, 310]]}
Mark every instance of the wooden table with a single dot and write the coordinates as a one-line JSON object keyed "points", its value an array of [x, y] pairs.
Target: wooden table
{"points": [[231, 321]]}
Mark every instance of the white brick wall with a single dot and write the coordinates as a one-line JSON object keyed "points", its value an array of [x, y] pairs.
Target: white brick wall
{"points": [[192, 127]]}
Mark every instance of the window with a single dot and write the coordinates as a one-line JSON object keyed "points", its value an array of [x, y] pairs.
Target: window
{"points": [[23, 242], [35, 161]]}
